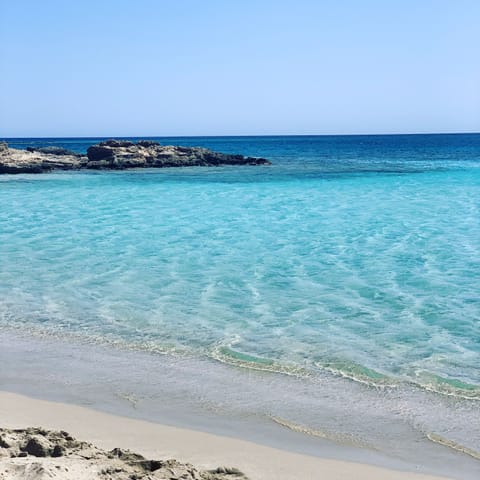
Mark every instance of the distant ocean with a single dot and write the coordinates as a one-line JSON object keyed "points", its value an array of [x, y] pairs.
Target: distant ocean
{"points": [[352, 261]]}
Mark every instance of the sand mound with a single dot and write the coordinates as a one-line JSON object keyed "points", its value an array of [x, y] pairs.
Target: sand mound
{"points": [[37, 454]]}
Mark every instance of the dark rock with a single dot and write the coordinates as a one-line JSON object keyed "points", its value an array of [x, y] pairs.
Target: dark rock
{"points": [[53, 151], [37, 446], [58, 451], [126, 455], [24, 169], [116, 143], [13, 160], [151, 465], [4, 443], [227, 470], [99, 152], [147, 143], [117, 154], [66, 435]]}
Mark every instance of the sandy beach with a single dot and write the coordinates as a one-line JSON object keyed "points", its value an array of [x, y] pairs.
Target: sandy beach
{"points": [[155, 441], [87, 391], [239, 240]]}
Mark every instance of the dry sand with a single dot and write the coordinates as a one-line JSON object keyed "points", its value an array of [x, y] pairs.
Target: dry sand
{"points": [[106, 432]]}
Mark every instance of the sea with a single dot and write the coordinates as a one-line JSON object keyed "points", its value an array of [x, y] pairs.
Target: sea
{"points": [[334, 294]]}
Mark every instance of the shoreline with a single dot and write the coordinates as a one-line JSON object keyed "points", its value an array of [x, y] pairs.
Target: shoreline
{"points": [[182, 394], [204, 450]]}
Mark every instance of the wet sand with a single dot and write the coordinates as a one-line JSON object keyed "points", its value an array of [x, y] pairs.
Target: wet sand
{"points": [[205, 451]]}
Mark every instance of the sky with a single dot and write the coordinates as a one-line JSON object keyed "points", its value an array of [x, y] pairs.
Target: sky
{"points": [[207, 67]]}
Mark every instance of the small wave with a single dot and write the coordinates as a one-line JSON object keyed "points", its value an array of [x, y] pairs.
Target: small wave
{"points": [[447, 386], [333, 437], [224, 353], [348, 370], [108, 341], [357, 373], [131, 398], [433, 437], [451, 392], [229, 356]]}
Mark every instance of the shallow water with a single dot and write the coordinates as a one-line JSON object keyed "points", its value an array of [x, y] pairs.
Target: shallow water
{"points": [[354, 257], [323, 415]]}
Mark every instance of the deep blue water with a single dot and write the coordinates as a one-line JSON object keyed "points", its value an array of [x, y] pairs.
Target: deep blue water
{"points": [[355, 255]]}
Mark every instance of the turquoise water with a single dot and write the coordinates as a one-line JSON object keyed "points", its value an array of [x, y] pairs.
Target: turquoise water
{"points": [[358, 256]]}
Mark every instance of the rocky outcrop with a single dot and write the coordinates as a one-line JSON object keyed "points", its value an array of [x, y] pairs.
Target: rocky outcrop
{"points": [[52, 150], [116, 155], [120, 154], [13, 160], [38, 454]]}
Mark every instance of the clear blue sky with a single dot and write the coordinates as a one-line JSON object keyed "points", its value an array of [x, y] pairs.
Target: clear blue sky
{"points": [[206, 67]]}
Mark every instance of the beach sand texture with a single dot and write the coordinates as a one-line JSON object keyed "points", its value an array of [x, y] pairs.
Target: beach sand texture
{"points": [[154, 441]]}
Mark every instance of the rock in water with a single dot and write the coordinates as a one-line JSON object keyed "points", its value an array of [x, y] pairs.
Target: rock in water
{"points": [[53, 151], [39, 160], [116, 155]]}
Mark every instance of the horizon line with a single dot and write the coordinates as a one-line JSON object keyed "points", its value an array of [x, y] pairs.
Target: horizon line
{"points": [[248, 135]]}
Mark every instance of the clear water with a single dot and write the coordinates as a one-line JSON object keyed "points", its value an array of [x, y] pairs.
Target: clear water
{"points": [[355, 256]]}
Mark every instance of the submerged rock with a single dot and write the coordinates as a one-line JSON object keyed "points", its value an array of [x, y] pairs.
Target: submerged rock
{"points": [[116, 155]]}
